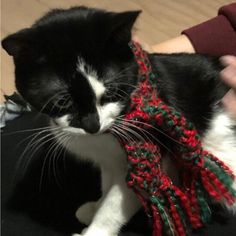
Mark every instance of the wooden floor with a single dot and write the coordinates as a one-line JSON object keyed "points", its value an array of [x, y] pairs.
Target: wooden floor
{"points": [[160, 19]]}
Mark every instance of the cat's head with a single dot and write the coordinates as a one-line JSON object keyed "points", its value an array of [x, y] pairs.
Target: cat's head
{"points": [[76, 66]]}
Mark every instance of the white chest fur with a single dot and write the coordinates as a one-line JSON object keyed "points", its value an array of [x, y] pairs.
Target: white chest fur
{"points": [[103, 150], [220, 139]]}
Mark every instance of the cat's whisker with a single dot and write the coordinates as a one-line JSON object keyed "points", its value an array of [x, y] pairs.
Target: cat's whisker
{"points": [[115, 84], [120, 116], [153, 127], [51, 157], [54, 157], [115, 130], [157, 140], [32, 145], [114, 80], [138, 136], [44, 165], [117, 94], [145, 131], [67, 141], [119, 89], [160, 131], [142, 139], [126, 69], [50, 148], [27, 130], [36, 147], [117, 75], [57, 156], [130, 135], [136, 127], [35, 134], [124, 134]]}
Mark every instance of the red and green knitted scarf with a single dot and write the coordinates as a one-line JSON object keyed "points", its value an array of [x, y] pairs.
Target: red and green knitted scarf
{"points": [[204, 178]]}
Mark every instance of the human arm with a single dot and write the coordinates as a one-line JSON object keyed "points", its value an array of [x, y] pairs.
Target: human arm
{"points": [[216, 36]]}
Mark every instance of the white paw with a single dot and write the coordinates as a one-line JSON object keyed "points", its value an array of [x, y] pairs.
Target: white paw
{"points": [[82, 233], [95, 233], [85, 213]]}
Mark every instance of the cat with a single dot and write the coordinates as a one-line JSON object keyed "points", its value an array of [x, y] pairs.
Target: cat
{"points": [[75, 65]]}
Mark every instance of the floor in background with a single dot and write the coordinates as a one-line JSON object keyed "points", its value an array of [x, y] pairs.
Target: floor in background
{"points": [[160, 19]]}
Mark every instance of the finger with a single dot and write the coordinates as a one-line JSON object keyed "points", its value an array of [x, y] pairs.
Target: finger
{"points": [[229, 101], [229, 76], [228, 60]]}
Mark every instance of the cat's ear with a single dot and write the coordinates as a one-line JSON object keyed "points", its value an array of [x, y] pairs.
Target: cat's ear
{"points": [[122, 24], [14, 43]]}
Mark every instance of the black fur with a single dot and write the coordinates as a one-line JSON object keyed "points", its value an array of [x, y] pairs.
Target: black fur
{"points": [[45, 57]]}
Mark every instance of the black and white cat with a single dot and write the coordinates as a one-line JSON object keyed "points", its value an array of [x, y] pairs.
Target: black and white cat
{"points": [[76, 66]]}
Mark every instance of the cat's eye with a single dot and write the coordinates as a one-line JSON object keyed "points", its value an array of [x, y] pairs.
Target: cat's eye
{"points": [[109, 97], [63, 103]]}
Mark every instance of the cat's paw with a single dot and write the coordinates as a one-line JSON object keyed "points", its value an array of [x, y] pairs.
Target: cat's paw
{"points": [[95, 233], [82, 233], [85, 213]]}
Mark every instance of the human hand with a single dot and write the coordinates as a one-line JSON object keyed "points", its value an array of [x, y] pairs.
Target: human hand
{"points": [[228, 74]]}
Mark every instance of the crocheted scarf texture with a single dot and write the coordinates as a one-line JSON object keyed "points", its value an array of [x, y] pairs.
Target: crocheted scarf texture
{"points": [[172, 210]]}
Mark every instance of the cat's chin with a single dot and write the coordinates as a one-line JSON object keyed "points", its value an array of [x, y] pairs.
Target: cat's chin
{"points": [[67, 129], [78, 131], [74, 130]]}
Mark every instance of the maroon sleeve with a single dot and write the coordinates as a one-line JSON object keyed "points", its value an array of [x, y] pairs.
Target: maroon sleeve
{"points": [[216, 36]]}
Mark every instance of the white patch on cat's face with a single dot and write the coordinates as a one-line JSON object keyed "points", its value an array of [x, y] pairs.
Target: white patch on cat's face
{"points": [[64, 123], [91, 75], [107, 112]]}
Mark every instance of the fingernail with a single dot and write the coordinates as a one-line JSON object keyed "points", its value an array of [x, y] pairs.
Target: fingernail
{"points": [[227, 60], [228, 74]]}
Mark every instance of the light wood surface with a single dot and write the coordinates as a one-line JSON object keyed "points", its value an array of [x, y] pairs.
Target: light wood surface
{"points": [[159, 21]]}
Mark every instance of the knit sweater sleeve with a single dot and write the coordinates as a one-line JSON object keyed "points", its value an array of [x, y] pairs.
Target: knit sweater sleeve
{"points": [[216, 36]]}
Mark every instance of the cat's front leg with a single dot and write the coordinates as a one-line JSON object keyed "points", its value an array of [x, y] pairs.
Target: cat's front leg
{"points": [[116, 209], [86, 212]]}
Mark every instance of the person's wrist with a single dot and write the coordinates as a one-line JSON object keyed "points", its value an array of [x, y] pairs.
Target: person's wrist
{"points": [[176, 45]]}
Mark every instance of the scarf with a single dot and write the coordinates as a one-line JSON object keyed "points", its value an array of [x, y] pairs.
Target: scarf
{"points": [[204, 178]]}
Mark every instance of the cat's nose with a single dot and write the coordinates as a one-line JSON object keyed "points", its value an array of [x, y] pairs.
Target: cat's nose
{"points": [[90, 123]]}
